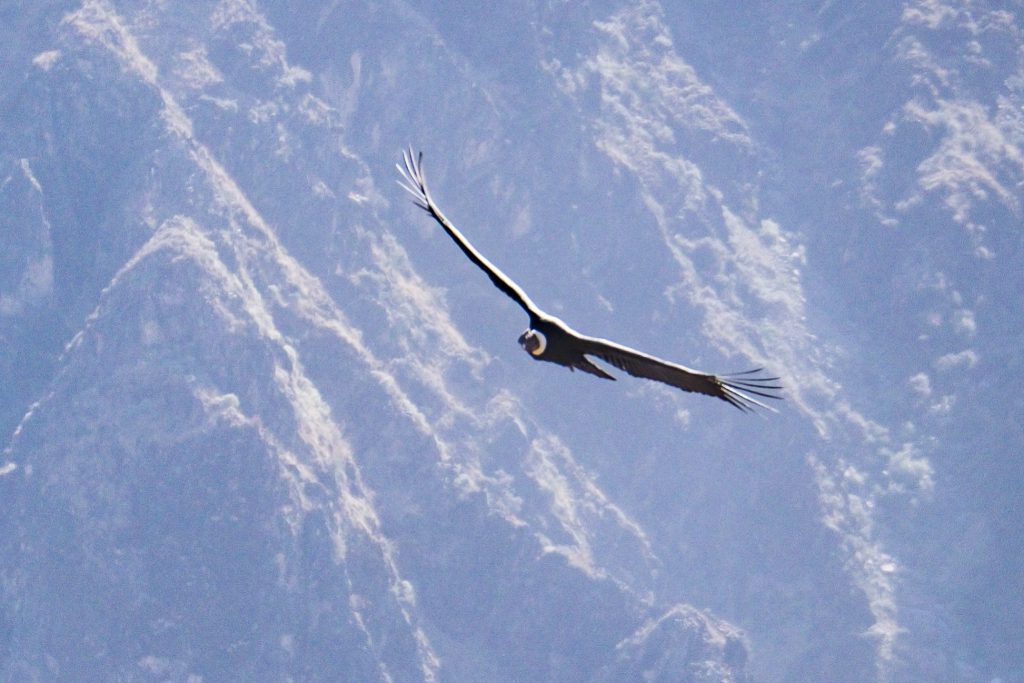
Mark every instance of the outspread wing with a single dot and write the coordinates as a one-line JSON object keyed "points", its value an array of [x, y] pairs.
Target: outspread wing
{"points": [[738, 389], [416, 185]]}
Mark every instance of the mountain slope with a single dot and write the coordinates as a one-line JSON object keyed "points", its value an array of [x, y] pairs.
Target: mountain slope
{"points": [[266, 422]]}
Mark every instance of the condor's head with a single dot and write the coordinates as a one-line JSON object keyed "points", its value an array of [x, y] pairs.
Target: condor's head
{"points": [[533, 342]]}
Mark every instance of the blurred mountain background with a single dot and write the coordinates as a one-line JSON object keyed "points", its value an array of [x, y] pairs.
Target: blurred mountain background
{"points": [[261, 420]]}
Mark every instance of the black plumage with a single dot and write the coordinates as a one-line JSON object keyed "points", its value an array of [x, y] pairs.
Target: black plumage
{"points": [[550, 339]]}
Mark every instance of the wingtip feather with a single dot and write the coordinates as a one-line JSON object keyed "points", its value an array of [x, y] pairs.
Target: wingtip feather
{"points": [[411, 170], [740, 388]]}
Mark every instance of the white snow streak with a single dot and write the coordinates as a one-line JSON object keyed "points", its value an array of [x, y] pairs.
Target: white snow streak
{"points": [[978, 155], [46, 60], [550, 464], [412, 304], [269, 52], [921, 385], [967, 358], [962, 14], [194, 70], [36, 282], [849, 512], [973, 153]]}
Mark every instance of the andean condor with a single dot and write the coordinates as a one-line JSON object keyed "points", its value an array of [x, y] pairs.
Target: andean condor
{"points": [[550, 339]]}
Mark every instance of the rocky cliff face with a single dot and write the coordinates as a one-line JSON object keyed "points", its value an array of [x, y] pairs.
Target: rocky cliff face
{"points": [[265, 423]]}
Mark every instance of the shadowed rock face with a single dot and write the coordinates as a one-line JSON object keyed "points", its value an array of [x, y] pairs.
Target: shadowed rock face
{"points": [[261, 423]]}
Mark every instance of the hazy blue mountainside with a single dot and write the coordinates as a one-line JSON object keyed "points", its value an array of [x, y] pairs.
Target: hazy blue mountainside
{"points": [[263, 421]]}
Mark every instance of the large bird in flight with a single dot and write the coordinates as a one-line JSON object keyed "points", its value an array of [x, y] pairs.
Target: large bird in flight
{"points": [[550, 339]]}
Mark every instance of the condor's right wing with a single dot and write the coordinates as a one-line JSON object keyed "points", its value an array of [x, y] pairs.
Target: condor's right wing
{"points": [[416, 185]]}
